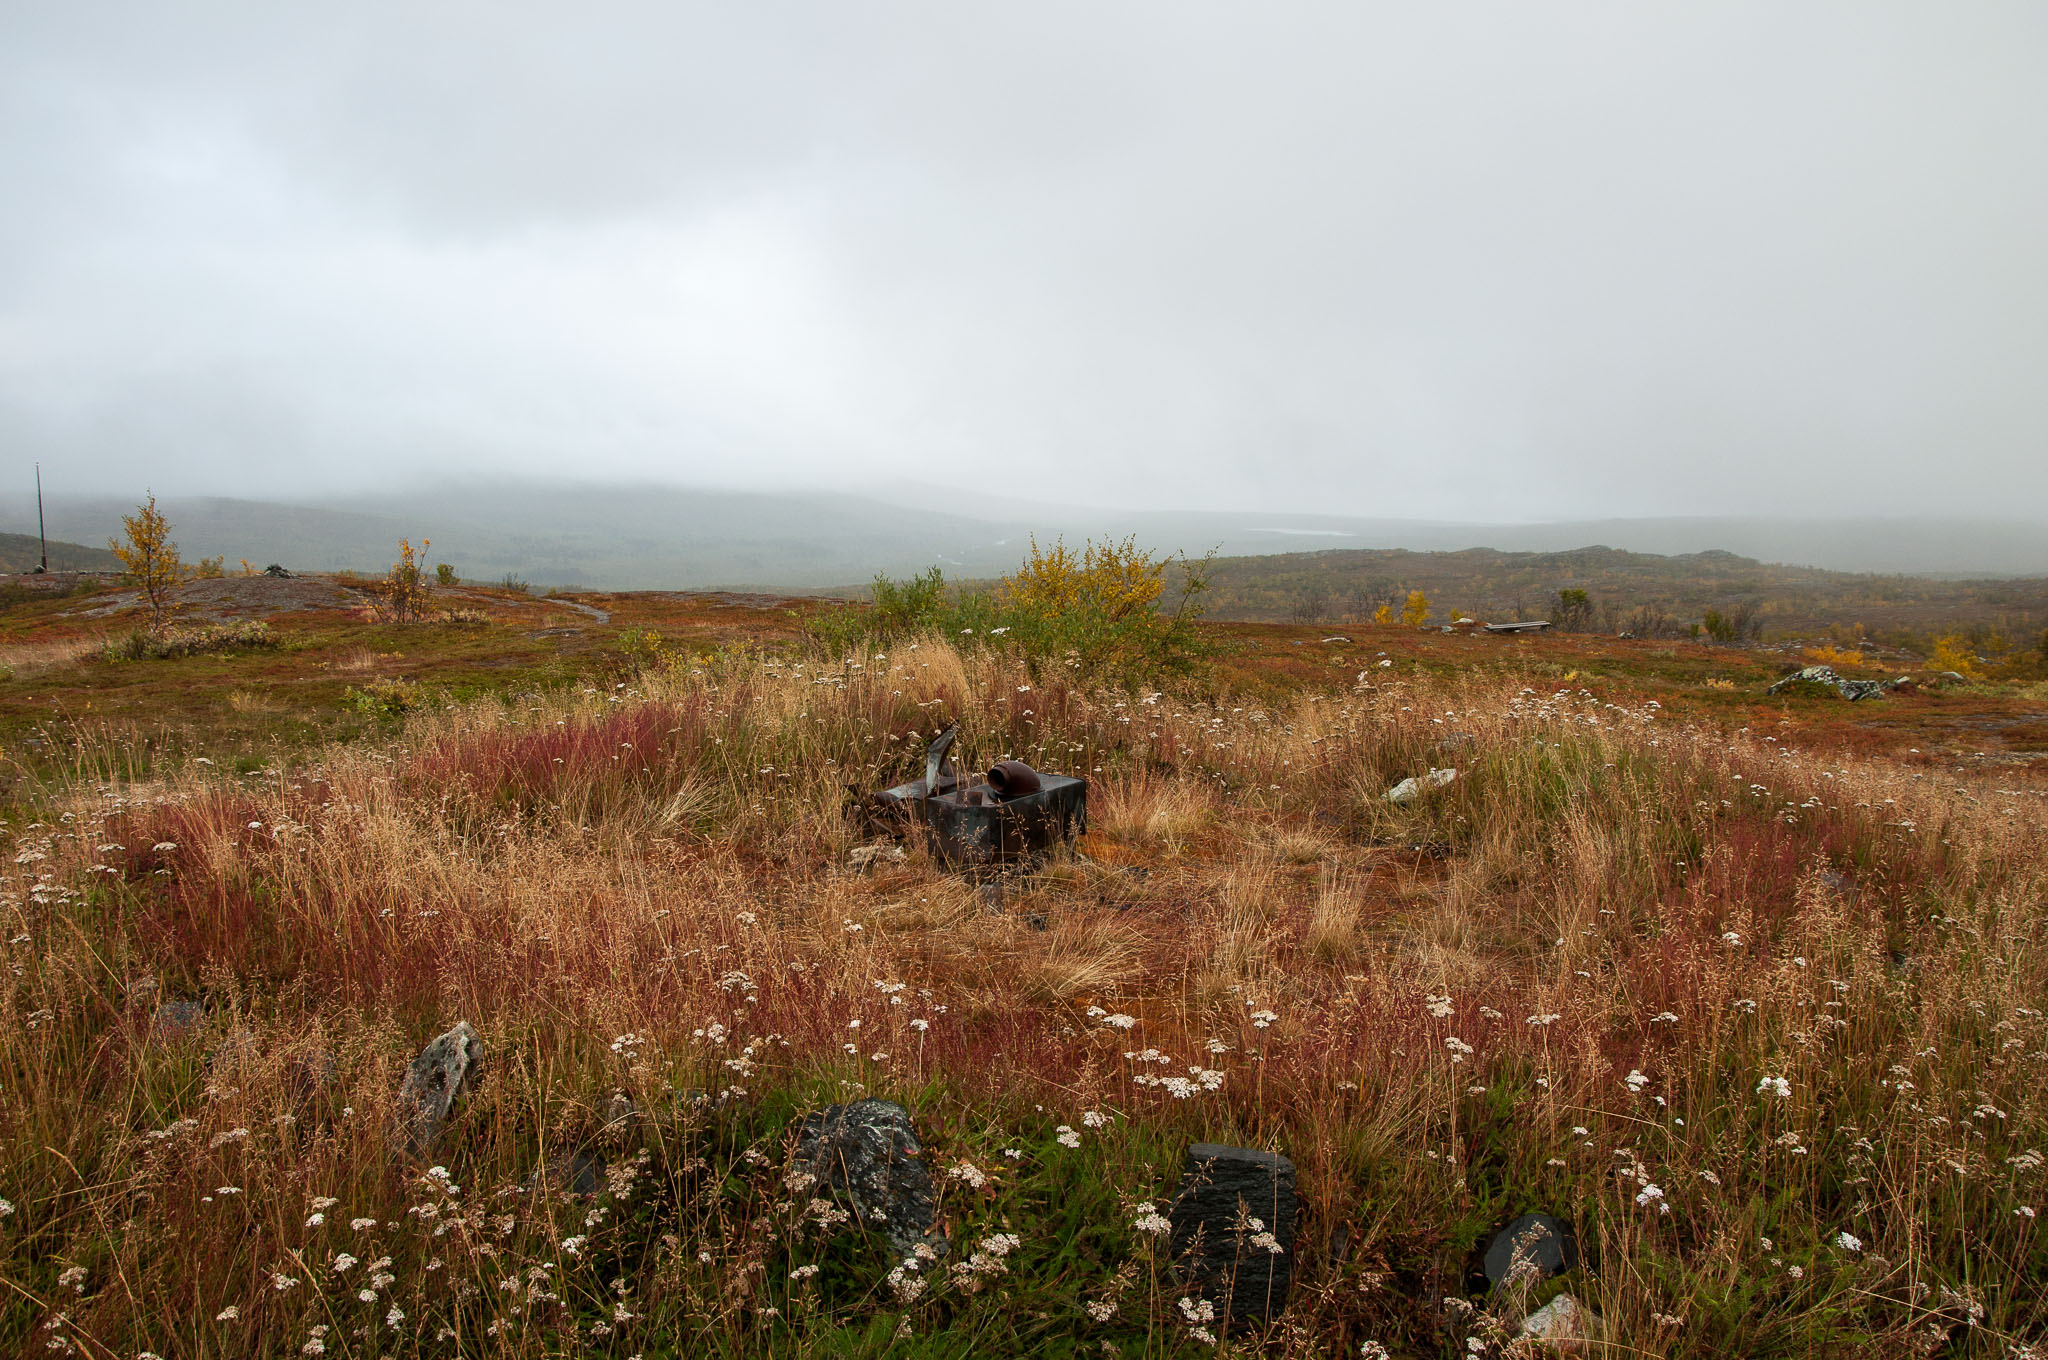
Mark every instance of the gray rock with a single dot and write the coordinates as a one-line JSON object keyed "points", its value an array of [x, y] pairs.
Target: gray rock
{"points": [[177, 1019], [868, 1153], [1851, 690], [437, 1076], [1564, 1324], [1541, 1245], [580, 1174], [1235, 1206], [1408, 790], [868, 856]]}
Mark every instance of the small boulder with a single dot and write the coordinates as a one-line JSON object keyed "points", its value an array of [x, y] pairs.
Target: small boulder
{"points": [[1824, 677], [176, 1019], [867, 856], [1408, 790], [1233, 1228], [437, 1076], [1533, 1247], [575, 1175], [1564, 1324], [868, 1153]]}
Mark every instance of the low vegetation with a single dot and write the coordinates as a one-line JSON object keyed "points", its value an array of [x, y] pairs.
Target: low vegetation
{"points": [[160, 644], [1101, 613], [1715, 596], [1759, 1015]]}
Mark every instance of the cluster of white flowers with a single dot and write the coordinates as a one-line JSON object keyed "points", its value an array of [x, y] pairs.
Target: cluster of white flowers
{"points": [[1263, 1238], [986, 1261], [906, 1283], [1150, 1220]]}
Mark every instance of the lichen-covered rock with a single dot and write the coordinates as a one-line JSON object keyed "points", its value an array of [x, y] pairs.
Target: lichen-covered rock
{"points": [[1826, 678], [868, 1152], [1564, 1324], [437, 1076], [1233, 1228], [1408, 790]]}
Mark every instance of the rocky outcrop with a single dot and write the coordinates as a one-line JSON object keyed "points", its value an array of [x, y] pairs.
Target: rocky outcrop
{"points": [[1826, 677]]}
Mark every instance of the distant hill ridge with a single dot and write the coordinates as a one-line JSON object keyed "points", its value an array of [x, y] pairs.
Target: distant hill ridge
{"points": [[1651, 593], [21, 553], [659, 537]]}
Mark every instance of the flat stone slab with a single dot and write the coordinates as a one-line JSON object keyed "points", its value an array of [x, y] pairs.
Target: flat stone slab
{"points": [[1233, 1228]]}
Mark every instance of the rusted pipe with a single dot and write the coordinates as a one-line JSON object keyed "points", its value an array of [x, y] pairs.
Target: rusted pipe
{"points": [[1012, 779]]}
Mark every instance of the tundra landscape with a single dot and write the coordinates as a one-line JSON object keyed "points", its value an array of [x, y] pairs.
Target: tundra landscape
{"points": [[1743, 989], [1333, 680]]}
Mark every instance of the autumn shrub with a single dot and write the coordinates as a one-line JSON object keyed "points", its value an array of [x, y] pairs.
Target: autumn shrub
{"points": [[162, 644], [1100, 613], [151, 558], [401, 596], [1953, 653]]}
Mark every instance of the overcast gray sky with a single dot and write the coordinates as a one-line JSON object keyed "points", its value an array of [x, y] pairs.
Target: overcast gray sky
{"points": [[1466, 260]]}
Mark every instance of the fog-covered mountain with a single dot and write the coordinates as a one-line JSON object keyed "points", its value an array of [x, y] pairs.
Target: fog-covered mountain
{"points": [[644, 537]]}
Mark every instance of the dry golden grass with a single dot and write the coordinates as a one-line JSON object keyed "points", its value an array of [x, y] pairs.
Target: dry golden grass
{"points": [[1153, 810], [33, 658]]}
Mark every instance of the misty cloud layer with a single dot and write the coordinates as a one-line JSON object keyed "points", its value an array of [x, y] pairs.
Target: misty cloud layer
{"points": [[1482, 261]]}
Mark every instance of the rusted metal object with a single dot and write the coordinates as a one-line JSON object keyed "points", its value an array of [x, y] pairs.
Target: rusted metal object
{"points": [[1014, 814], [1013, 778]]}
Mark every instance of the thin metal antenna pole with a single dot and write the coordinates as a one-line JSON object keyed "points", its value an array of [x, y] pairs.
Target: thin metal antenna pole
{"points": [[40, 533]]}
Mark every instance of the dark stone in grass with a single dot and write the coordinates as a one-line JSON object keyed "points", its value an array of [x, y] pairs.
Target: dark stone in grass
{"points": [[1544, 1243], [1230, 1198], [176, 1019], [869, 1154], [437, 1076]]}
